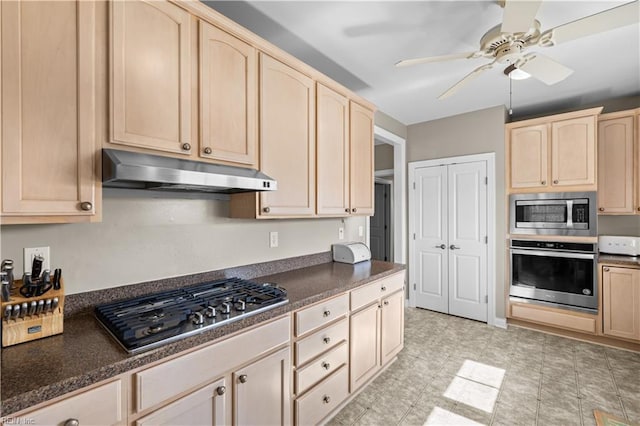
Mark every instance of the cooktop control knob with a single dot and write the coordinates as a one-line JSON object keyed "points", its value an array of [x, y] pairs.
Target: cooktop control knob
{"points": [[198, 318], [211, 312], [226, 308]]}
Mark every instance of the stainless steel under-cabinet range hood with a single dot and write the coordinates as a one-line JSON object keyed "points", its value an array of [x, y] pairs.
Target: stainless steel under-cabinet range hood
{"points": [[125, 169]]}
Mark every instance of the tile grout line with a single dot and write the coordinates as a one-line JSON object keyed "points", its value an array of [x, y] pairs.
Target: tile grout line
{"points": [[615, 385], [577, 381]]}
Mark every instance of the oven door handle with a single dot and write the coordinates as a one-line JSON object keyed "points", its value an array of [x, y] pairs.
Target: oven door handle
{"points": [[554, 254]]}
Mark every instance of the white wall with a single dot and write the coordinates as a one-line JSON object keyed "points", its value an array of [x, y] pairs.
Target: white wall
{"points": [[143, 238]]}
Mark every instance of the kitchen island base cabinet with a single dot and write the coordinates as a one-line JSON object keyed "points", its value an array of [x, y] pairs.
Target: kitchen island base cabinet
{"points": [[262, 391], [207, 406], [621, 302]]}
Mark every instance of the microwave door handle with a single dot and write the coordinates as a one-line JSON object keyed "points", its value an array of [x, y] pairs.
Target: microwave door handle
{"points": [[569, 213], [545, 253]]}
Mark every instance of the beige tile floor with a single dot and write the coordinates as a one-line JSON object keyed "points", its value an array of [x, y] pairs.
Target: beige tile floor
{"points": [[456, 371]]}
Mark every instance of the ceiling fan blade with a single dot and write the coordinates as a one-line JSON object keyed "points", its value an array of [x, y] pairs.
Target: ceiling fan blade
{"points": [[409, 62], [610, 19], [467, 78], [543, 68], [518, 15]]}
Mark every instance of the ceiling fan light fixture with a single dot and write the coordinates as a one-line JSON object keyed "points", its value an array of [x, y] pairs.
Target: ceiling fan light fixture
{"points": [[515, 73]]}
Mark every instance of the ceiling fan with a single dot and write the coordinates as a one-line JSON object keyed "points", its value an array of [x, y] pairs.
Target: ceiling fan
{"points": [[506, 43]]}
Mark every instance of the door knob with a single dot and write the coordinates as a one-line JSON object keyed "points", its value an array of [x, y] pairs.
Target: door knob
{"points": [[441, 246], [454, 247]]}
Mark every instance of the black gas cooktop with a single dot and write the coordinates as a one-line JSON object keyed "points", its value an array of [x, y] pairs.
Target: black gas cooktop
{"points": [[146, 322]]}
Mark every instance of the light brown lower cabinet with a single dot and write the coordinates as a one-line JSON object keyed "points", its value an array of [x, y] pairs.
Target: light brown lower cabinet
{"points": [[621, 302], [207, 406]]}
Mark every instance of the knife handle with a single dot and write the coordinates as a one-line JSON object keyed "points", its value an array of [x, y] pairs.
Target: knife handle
{"points": [[36, 266], [57, 274]]}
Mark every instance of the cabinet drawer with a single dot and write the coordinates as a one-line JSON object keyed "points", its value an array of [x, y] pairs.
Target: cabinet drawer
{"points": [[321, 368], [320, 341], [188, 371], [324, 398], [323, 313], [377, 289], [103, 405], [571, 321]]}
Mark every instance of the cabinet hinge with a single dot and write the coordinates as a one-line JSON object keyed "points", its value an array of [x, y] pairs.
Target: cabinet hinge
{"points": [[486, 299], [486, 180], [414, 185], [414, 235], [486, 239], [414, 286]]}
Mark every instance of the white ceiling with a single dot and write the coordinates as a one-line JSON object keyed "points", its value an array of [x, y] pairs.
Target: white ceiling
{"points": [[358, 42]]}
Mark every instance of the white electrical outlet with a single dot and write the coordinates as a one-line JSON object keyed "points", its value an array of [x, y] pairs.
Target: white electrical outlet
{"points": [[360, 231], [341, 233], [273, 239], [30, 253]]}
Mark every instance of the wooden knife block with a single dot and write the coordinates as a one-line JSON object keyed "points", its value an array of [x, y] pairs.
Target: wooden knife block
{"points": [[32, 327]]}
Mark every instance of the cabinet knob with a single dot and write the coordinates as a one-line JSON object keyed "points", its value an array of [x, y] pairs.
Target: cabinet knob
{"points": [[347, 210], [243, 378], [605, 269], [208, 150], [326, 365], [326, 340], [639, 208], [383, 288], [386, 302], [354, 210], [72, 422], [266, 209], [326, 399], [220, 390], [555, 182], [86, 206], [186, 146], [601, 209], [544, 182], [326, 313]]}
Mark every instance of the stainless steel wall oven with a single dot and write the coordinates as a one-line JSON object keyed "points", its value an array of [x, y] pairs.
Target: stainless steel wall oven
{"points": [[561, 273]]}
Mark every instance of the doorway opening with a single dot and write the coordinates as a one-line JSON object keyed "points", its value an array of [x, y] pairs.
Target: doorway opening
{"points": [[381, 223]]}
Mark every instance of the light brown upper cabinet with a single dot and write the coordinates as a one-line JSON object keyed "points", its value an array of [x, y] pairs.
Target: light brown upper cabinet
{"points": [[48, 119], [228, 98], [287, 144], [151, 75], [554, 153], [616, 163], [333, 152], [361, 160]]}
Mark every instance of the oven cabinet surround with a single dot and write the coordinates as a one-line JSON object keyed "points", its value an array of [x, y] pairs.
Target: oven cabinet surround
{"points": [[619, 163], [50, 154], [556, 153], [621, 302]]}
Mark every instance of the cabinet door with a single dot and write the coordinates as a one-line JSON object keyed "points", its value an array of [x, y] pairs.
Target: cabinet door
{"points": [[637, 161], [333, 152], [361, 160], [615, 166], [573, 152], [207, 406], [621, 302], [364, 345], [48, 108], [228, 97], [150, 75], [287, 139], [528, 157], [262, 391], [392, 326]]}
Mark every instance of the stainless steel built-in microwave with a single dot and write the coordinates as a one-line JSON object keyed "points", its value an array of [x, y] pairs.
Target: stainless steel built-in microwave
{"points": [[557, 213]]}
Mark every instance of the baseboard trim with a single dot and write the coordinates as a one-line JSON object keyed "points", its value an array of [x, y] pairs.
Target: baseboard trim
{"points": [[500, 322]]}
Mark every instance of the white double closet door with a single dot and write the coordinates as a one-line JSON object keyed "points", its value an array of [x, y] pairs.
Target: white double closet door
{"points": [[450, 232]]}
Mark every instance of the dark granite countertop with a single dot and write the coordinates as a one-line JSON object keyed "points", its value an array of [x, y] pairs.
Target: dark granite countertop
{"points": [[85, 353], [613, 259]]}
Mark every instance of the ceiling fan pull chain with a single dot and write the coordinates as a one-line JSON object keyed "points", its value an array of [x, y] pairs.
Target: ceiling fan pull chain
{"points": [[510, 93]]}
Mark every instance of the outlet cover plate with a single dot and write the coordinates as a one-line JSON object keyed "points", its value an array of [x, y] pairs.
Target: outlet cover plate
{"points": [[30, 253], [341, 233], [273, 239]]}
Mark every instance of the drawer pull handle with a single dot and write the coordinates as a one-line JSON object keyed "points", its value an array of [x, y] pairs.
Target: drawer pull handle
{"points": [[326, 365], [386, 302], [243, 378], [326, 399], [605, 269], [220, 390], [326, 340], [72, 422], [326, 313]]}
